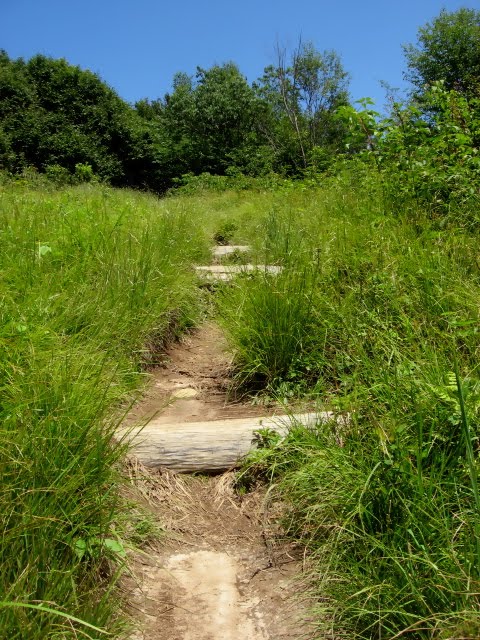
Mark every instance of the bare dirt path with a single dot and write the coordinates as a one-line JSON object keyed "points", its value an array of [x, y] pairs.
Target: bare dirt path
{"points": [[222, 572], [193, 383]]}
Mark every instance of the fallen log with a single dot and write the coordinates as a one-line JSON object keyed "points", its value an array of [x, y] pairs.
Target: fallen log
{"points": [[227, 272], [208, 446], [221, 251]]}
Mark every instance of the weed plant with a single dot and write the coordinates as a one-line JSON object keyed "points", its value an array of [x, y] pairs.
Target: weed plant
{"points": [[378, 315], [92, 280]]}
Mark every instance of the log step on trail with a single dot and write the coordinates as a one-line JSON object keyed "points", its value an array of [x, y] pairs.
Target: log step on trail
{"points": [[228, 271], [223, 250], [216, 445], [222, 574]]}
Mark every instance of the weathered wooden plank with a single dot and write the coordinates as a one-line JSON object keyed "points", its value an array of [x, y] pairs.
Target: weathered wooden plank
{"points": [[207, 446], [228, 271], [221, 251]]}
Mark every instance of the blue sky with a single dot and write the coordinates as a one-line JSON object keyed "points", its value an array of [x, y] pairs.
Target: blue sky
{"points": [[136, 46]]}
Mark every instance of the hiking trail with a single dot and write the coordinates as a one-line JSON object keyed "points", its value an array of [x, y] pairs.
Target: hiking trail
{"points": [[222, 571]]}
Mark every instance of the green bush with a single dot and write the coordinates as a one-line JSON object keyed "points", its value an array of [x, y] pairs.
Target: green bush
{"points": [[426, 155], [83, 173], [60, 176]]}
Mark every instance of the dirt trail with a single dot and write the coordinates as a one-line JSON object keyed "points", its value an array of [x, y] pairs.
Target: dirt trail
{"points": [[193, 383], [221, 573]]}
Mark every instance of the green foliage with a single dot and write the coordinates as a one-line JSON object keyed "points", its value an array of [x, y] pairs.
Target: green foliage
{"points": [[83, 173], [225, 115], [90, 278], [207, 183], [429, 161], [374, 314], [54, 114], [296, 120], [392, 536], [60, 176], [211, 122], [275, 328], [362, 125], [448, 50], [225, 232], [369, 316], [301, 96]]}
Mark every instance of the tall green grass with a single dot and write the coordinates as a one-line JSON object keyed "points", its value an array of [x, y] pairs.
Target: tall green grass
{"points": [[373, 314], [92, 280], [392, 530]]}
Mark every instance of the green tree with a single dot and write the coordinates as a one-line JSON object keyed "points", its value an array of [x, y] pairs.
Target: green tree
{"points": [[16, 100], [211, 121], [53, 114], [177, 121], [303, 93], [447, 49], [431, 162], [225, 109]]}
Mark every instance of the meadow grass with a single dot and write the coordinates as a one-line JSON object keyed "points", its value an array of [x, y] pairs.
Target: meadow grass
{"points": [[376, 315], [93, 282]]}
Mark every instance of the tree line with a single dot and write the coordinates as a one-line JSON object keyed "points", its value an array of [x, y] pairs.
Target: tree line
{"points": [[55, 116], [68, 123]]}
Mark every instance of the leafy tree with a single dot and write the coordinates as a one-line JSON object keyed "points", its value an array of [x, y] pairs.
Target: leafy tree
{"points": [[16, 100], [149, 109], [211, 120], [225, 109], [432, 162], [83, 118], [447, 49], [303, 94], [177, 121], [53, 114]]}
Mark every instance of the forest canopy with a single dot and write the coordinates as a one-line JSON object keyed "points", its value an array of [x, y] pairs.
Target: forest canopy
{"points": [[295, 120], [55, 116]]}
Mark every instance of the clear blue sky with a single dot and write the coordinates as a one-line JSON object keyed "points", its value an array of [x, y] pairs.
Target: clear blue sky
{"points": [[137, 45]]}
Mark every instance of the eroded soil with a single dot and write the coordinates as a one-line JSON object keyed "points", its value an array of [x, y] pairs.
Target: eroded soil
{"points": [[193, 384], [222, 571]]}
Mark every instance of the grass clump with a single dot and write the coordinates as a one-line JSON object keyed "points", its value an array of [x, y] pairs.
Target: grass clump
{"points": [[377, 315], [392, 529], [92, 279]]}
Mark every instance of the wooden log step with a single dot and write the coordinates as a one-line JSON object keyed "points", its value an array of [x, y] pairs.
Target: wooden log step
{"points": [[228, 271], [208, 446], [221, 251]]}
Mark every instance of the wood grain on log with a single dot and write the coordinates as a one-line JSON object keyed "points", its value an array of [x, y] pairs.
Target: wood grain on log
{"points": [[207, 446]]}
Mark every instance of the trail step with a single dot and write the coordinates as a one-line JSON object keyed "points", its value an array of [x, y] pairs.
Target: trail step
{"points": [[216, 445], [228, 249], [228, 271]]}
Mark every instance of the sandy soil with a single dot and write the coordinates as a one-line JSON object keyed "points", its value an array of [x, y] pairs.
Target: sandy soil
{"points": [[222, 572], [193, 384]]}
